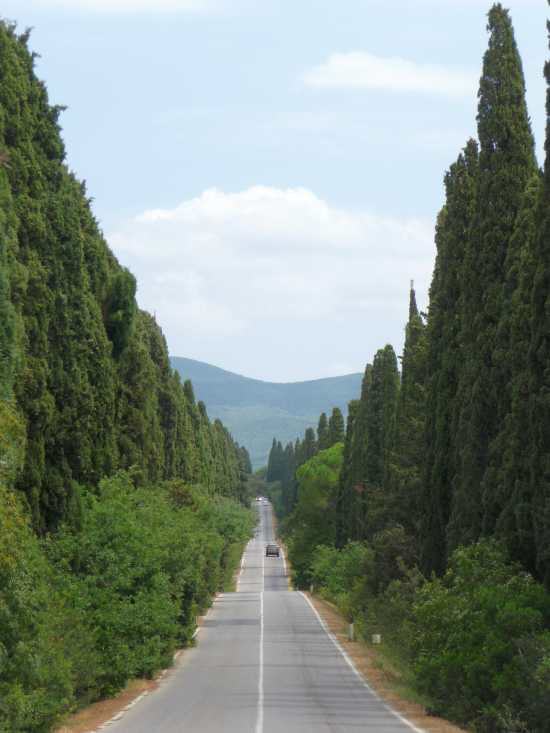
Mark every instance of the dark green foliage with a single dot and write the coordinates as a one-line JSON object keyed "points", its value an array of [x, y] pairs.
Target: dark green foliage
{"points": [[79, 620], [474, 630], [91, 374], [35, 676], [531, 489], [313, 520], [380, 416], [445, 354], [507, 491], [506, 164], [346, 511], [8, 335], [276, 463], [336, 428], [404, 479], [120, 310], [323, 432], [308, 447], [463, 450]]}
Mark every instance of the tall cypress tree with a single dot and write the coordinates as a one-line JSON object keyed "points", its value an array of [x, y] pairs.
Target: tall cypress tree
{"points": [[335, 427], [507, 499], [537, 382], [271, 461], [323, 432], [353, 501], [91, 375], [345, 509], [445, 355], [407, 455], [380, 416], [7, 312], [309, 446], [506, 163]]}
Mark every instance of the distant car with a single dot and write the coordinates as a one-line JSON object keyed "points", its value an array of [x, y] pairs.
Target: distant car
{"points": [[272, 551]]}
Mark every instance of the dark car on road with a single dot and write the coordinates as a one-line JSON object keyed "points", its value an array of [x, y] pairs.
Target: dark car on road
{"points": [[272, 551]]}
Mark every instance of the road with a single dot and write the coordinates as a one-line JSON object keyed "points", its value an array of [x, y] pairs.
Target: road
{"points": [[263, 664]]}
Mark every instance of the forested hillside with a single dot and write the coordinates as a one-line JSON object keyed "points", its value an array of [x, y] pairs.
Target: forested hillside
{"points": [[255, 410], [121, 504], [430, 520]]}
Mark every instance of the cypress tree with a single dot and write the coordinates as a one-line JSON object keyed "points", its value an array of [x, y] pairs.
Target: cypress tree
{"points": [[536, 388], [380, 415], [8, 243], [345, 510], [407, 455], [323, 439], [90, 373], [309, 446], [507, 500], [506, 163], [271, 461], [335, 428], [445, 355]]}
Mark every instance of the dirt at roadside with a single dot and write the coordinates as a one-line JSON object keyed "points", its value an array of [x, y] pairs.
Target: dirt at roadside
{"points": [[367, 661], [90, 718]]}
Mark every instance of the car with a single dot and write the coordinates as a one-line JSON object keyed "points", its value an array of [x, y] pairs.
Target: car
{"points": [[272, 551]]}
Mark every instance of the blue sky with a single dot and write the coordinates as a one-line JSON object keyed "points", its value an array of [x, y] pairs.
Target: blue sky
{"points": [[271, 171]]}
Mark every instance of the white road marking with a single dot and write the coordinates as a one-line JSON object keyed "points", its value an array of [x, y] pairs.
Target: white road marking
{"points": [[243, 562], [284, 561], [355, 671], [260, 718]]}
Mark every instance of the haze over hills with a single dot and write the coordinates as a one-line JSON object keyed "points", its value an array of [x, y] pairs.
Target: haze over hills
{"points": [[255, 411]]}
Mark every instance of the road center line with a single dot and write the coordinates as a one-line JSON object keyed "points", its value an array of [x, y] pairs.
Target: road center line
{"points": [[260, 718]]}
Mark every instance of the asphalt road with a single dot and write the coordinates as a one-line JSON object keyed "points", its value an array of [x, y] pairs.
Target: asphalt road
{"points": [[263, 664]]}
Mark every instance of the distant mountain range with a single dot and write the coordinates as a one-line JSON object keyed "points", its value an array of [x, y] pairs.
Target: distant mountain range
{"points": [[256, 411]]}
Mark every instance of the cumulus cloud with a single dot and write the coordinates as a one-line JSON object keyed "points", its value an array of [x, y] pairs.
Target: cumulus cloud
{"points": [[242, 265], [361, 70], [130, 6]]}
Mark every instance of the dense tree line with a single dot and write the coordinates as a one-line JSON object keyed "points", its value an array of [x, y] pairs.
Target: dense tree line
{"points": [[442, 497], [284, 462], [121, 503], [454, 448], [86, 370]]}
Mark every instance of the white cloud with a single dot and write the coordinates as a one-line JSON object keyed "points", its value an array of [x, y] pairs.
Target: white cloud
{"points": [[361, 70], [130, 6], [229, 265]]}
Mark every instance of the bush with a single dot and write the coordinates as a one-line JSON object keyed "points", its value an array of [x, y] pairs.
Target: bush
{"points": [[341, 575], [35, 681], [312, 522], [471, 628], [84, 611]]}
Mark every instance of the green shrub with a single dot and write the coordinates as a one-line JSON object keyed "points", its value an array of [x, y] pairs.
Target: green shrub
{"points": [[35, 680], [471, 629], [313, 521], [341, 575], [84, 611]]}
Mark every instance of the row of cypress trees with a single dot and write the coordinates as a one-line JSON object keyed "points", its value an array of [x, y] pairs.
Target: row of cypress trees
{"points": [[283, 462], [84, 369], [457, 446]]}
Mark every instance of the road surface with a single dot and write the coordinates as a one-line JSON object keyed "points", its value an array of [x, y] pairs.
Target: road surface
{"points": [[263, 664]]}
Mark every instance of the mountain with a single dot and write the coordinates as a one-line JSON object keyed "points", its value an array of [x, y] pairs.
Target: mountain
{"points": [[255, 411]]}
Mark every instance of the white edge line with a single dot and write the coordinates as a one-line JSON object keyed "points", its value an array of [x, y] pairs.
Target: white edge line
{"points": [[122, 712], [260, 718], [284, 562], [356, 672]]}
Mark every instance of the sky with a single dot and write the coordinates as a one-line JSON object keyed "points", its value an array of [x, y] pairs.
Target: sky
{"points": [[271, 170]]}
